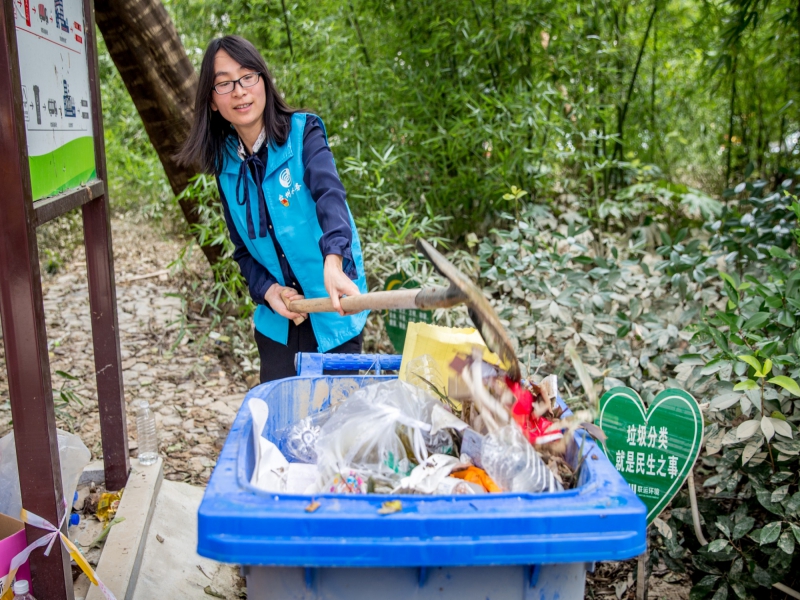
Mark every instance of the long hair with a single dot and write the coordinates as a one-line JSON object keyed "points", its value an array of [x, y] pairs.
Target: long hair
{"points": [[205, 145]]}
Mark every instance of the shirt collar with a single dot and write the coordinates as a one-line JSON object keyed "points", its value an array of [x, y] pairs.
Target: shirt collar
{"points": [[242, 152]]}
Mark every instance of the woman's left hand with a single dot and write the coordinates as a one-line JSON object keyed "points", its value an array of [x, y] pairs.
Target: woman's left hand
{"points": [[337, 283]]}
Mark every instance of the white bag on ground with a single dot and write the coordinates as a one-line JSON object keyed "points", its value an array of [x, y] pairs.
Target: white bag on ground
{"points": [[72, 453]]}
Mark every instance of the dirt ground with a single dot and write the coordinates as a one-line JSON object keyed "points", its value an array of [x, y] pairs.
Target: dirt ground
{"points": [[612, 580], [195, 388]]}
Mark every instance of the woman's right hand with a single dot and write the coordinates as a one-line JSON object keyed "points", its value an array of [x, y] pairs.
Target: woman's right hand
{"points": [[275, 298]]}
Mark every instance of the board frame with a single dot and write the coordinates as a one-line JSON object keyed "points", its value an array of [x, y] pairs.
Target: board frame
{"points": [[22, 309]]}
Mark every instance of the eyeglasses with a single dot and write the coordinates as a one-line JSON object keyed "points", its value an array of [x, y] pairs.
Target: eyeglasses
{"points": [[226, 87]]}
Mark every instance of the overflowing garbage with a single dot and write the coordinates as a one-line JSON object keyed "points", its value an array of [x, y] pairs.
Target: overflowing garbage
{"points": [[475, 431]]}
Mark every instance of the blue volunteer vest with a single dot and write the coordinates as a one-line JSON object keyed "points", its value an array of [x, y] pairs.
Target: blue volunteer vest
{"points": [[294, 217]]}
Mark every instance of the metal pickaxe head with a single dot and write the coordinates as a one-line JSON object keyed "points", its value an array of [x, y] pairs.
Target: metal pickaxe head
{"points": [[462, 289]]}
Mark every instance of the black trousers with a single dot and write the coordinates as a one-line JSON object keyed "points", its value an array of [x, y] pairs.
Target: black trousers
{"points": [[277, 360]]}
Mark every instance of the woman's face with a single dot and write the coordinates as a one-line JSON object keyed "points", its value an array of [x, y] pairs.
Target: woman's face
{"points": [[243, 107]]}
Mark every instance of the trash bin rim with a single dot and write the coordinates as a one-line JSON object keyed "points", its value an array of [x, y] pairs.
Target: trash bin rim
{"points": [[601, 520]]}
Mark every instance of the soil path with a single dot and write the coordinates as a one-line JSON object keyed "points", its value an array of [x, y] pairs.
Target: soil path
{"points": [[193, 389]]}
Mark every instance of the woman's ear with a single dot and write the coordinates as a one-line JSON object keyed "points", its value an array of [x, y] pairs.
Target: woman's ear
{"points": [[213, 105]]}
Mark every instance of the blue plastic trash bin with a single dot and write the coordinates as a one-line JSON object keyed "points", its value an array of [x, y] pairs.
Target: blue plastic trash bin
{"points": [[497, 546]]}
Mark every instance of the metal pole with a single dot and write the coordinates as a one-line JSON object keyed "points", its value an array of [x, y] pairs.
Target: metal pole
{"points": [[102, 292], [642, 574], [24, 335]]}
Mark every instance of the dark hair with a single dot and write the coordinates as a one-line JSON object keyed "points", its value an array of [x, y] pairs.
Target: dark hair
{"points": [[205, 145]]}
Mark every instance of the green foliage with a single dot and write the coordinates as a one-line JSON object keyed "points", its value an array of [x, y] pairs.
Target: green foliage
{"points": [[57, 240], [469, 97], [224, 297], [731, 340], [66, 397], [136, 179], [516, 130], [229, 291], [749, 357]]}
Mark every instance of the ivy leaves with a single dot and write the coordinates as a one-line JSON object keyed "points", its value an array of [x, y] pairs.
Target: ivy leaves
{"points": [[747, 348], [761, 371]]}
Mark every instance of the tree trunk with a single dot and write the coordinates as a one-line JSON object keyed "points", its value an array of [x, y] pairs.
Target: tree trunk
{"points": [[357, 27], [147, 51], [624, 110], [653, 95], [731, 113], [288, 29]]}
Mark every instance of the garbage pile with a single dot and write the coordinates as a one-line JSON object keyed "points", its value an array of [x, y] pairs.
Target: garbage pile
{"points": [[480, 433]]}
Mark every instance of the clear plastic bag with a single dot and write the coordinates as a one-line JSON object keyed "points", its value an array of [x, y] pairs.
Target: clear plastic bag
{"points": [[72, 453], [381, 432], [510, 460], [424, 373], [298, 441]]}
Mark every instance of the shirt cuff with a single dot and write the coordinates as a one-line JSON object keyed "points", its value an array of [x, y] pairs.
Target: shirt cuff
{"points": [[257, 291], [341, 247]]}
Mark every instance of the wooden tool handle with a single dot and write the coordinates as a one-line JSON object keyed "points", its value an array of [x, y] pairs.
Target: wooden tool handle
{"points": [[355, 304], [299, 320]]}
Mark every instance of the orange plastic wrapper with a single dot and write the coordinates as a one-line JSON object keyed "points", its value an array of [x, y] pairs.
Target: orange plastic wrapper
{"points": [[478, 476]]}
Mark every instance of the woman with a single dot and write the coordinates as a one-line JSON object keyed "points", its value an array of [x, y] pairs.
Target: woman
{"points": [[283, 202]]}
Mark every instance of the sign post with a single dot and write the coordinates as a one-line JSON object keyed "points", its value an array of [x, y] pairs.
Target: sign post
{"points": [[653, 448], [52, 160]]}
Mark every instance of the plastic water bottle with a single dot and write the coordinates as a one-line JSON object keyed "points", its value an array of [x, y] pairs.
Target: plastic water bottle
{"points": [[22, 590], [146, 431], [514, 465]]}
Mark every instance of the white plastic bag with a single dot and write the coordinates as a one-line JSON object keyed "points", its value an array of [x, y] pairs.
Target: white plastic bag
{"points": [[271, 466], [427, 476], [72, 453], [382, 431]]}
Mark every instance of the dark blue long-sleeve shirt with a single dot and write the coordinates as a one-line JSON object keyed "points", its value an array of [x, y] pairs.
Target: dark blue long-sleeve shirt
{"points": [[328, 193]]}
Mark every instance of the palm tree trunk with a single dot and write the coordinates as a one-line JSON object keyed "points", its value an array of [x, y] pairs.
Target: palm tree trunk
{"points": [[147, 51]]}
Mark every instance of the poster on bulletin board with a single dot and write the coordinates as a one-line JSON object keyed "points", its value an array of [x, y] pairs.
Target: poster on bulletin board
{"points": [[55, 92]]}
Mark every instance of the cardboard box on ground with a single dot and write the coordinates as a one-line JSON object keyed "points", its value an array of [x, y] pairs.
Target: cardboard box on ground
{"points": [[12, 542]]}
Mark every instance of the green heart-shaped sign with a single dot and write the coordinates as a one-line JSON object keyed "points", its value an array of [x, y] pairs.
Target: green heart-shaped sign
{"points": [[653, 449]]}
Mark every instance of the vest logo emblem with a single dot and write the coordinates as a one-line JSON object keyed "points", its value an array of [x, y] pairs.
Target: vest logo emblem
{"points": [[283, 201], [285, 178]]}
